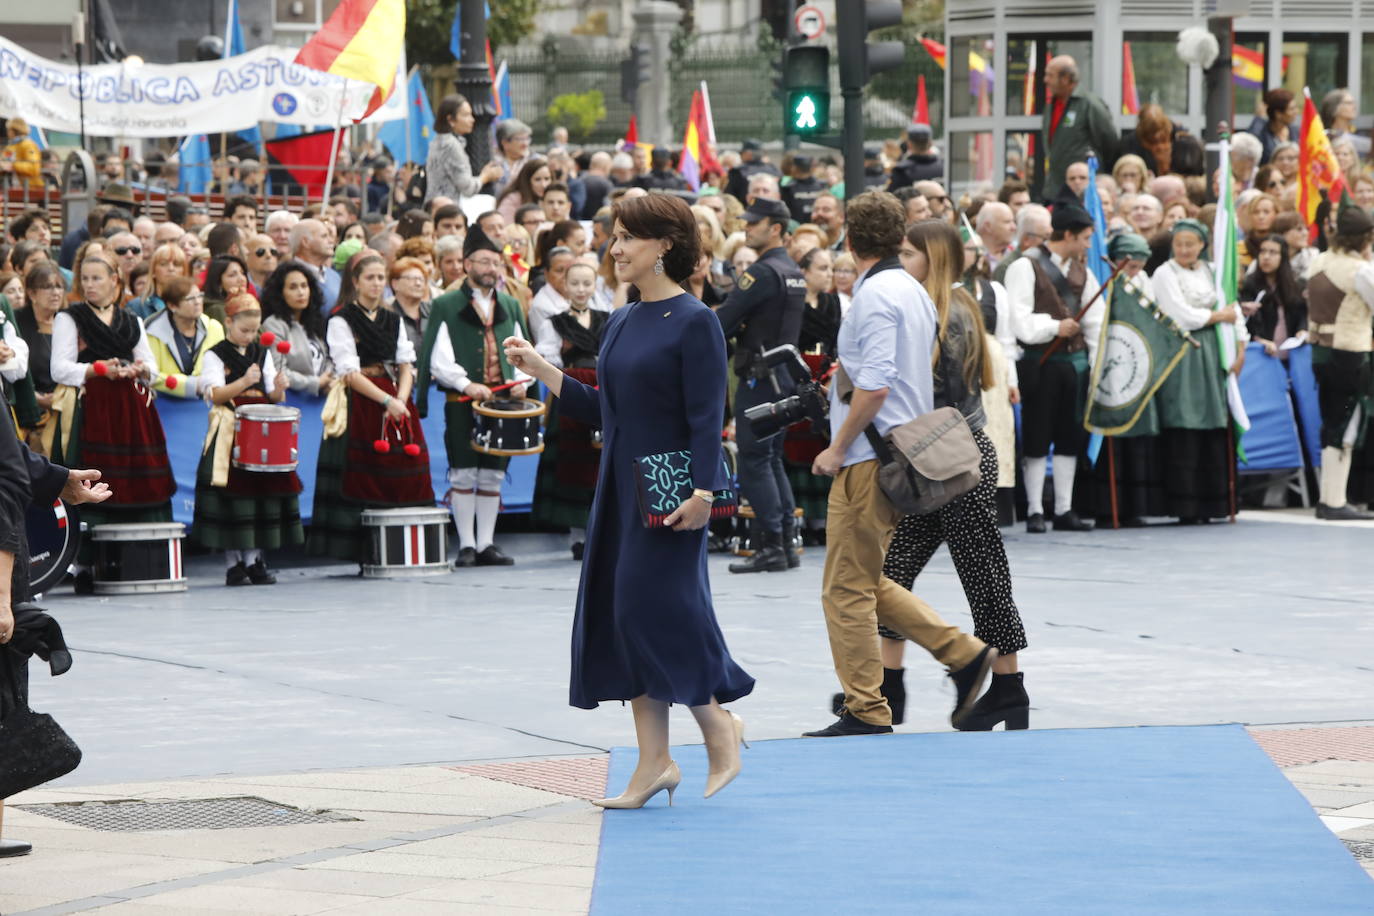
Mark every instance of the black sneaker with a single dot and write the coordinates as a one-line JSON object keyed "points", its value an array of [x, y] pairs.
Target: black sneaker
{"points": [[1035, 524], [466, 557], [1346, 513], [847, 726], [83, 583], [577, 550], [968, 683], [258, 574], [1070, 521], [493, 556], [236, 575]]}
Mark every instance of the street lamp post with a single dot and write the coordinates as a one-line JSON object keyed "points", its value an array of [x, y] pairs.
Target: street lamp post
{"points": [[474, 80]]}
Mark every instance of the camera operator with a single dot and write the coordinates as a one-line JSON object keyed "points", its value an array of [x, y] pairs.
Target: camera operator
{"points": [[884, 348], [764, 311]]}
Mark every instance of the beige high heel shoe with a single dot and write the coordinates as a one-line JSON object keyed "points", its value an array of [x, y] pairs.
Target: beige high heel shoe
{"points": [[668, 779], [718, 781]]}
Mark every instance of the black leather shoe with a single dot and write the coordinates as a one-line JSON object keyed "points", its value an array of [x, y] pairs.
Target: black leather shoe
{"points": [[1035, 524], [236, 575], [1346, 513], [1070, 521], [968, 681], [577, 551], [1006, 701], [847, 726], [466, 557], [769, 557], [493, 556], [258, 574], [10, 848], [83, 583]]}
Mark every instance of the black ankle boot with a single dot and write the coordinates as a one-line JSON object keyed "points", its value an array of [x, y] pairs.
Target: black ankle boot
{"points": [[1006, 701], [769, 557], [894, 691], [792, 542]]}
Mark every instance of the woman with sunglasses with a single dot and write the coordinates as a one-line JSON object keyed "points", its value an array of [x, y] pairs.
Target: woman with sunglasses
{"points": [[179, 336]]}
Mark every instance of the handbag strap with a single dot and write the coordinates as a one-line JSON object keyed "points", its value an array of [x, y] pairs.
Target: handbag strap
{"points": [[879, 444]]}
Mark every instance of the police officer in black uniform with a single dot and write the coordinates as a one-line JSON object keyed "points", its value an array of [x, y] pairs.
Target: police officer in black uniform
{"points": [[764, 311], [801, 193], [751, 162]]}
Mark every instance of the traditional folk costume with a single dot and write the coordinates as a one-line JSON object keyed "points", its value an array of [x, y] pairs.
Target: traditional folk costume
{"points": [[1046, 288], [238, 511], [1340, 299], [355, 472], [1130, 466], [1003, 351], [1193, 413], [463, 345], [107, 423], [820, 326], [568, 466], [15, 379]]}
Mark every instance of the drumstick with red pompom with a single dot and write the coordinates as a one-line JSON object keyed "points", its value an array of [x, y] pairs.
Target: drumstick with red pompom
{"points": [[465, 398]]}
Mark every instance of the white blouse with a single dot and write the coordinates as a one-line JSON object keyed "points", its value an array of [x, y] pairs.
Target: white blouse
{"points": [[64, 367], [1189, 296], [212, 374], [20, 346], [343, 349]]}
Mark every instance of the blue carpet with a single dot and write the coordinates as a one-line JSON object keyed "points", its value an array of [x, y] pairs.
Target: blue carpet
{"points": [[1126, 820]]}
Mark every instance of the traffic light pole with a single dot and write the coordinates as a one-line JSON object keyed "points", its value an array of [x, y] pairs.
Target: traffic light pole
{"points": [[853, 141], [474, 81]]}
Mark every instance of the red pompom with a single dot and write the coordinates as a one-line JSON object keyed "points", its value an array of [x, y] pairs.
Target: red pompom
{"points": [[268, 338], [100, 368], [381, 446], [283, 347], [171, 383], [412, 449]]}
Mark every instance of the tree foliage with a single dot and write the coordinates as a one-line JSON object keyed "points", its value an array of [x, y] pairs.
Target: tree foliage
{"points": [[429, 23], [579, 112]]}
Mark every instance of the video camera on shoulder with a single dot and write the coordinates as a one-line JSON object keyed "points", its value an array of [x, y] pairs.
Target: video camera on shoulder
{"points": [[807, 403]]}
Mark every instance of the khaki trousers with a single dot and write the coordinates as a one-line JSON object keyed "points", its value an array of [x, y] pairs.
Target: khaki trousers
{"points": [[856, 596]]}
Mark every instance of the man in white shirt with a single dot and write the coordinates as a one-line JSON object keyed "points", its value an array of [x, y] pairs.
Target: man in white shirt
{"points": [[884, 348], [1047, 288], [461, 351]]}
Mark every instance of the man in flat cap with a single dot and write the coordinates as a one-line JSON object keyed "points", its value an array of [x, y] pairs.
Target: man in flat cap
{"points": [[1047, 287], [462, 352]]}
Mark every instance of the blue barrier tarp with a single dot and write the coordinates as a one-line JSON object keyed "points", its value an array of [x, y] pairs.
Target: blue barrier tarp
{"points": [[184, 423], [1272, 443], [1305, 397]]}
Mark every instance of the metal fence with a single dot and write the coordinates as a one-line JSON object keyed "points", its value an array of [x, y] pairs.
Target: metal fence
{"points": [[740, 82]]}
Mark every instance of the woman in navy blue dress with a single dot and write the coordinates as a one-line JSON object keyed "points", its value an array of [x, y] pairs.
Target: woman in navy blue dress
{"points": [[645, 629]]}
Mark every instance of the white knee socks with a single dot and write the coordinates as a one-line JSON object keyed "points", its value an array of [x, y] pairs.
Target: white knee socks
{"points": [[1335, 475], [1064, 467], [488, 507], [464, 508], [1035, 486]]}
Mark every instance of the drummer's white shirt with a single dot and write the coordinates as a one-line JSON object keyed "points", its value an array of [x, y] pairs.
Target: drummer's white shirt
{"points": [[443, 365], [64, 368], [212, 374]]}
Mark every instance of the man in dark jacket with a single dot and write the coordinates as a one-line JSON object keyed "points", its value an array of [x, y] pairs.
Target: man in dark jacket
{"points": [[28, 478], [1074, 124], [751, 162], [661, 176], [922, 160], [800, 194]]}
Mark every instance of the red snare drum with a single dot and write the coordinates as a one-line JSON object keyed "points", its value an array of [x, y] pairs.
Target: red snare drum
{"points": [[265, 437]]}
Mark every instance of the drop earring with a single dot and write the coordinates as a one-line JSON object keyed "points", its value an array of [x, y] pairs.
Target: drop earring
{"points": [[658, 266]]}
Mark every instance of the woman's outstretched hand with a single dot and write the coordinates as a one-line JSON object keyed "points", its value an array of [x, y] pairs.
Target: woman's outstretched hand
{"points": [[521, 354]]}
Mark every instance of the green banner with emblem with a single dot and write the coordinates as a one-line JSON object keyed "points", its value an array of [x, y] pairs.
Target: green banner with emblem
{"points": [[1138, 348]]}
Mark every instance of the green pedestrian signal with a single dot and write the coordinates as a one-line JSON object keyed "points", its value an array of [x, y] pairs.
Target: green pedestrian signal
{"points": [[808, 111], [806, 78]]}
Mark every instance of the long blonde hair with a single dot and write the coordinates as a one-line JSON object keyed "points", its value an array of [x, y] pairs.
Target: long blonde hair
{"points": [[944, 253]]}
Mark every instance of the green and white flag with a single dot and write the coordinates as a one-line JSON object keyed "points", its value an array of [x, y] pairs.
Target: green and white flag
{"points": [[1139, 347], [1226, 271]]}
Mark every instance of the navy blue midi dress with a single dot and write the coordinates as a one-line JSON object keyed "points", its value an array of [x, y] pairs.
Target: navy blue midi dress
{"points": [[645, 623]]}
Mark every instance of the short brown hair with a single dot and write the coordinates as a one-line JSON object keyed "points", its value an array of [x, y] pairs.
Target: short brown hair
{"points": [[663, 216], [877, 221], [416, 247], [176, 289]]}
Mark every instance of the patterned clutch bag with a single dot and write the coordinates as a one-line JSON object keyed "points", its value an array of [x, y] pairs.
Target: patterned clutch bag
{"points": [[664, 481]]}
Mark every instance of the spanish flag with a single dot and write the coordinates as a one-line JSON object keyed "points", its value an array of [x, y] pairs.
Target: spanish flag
{"points": [[362, 40], [1318, 169], [935, 50], [697, 160]]}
